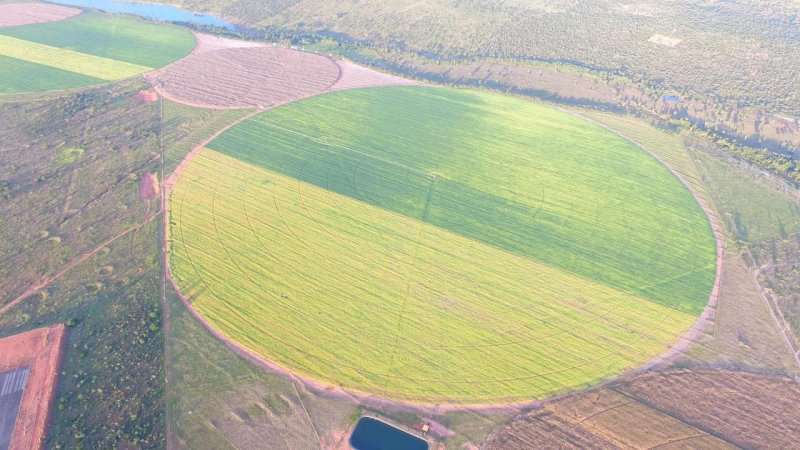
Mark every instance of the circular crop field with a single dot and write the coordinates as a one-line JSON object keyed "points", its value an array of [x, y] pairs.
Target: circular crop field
{"points": [[85, 50], [438, 245]]}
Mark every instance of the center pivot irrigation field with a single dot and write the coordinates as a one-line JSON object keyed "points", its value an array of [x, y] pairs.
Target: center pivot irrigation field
{"points": [[86, 50], [438, 245]]}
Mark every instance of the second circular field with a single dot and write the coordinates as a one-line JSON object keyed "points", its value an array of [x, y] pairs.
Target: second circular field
{"points": [[439, 245]]}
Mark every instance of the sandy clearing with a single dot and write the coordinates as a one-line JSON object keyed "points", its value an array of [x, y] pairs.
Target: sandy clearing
{"points": [[147, 96], [39, 350], [12, 14]]}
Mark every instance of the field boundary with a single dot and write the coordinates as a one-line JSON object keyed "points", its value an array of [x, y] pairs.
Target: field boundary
{"points": [[707, 316], [677, 349]]}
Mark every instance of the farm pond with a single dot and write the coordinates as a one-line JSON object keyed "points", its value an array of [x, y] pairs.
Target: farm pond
{"points": [[151, 11], [372, 434]]}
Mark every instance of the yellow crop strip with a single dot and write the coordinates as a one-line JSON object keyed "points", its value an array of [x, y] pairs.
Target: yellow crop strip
{"points": [[342, 291], [65, 59]]}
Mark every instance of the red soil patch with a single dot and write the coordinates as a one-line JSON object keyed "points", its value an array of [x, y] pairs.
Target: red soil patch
{"points": [[148, 96], [227, 74], [12, 14], [355, 76], [40, 351], [148, 186]]}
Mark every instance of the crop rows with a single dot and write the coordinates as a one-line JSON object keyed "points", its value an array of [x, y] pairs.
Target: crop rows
{"points": [[437, 245], [85, 50]]}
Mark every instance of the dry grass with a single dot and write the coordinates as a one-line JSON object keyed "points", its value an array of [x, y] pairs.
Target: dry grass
{"points": [[674, 409]]}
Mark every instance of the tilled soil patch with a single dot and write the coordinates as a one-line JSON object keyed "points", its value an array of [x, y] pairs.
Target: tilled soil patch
{"points": [[245, 77], [12, 14]]}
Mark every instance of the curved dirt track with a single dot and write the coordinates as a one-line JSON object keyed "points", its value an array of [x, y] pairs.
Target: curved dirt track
{"points": [[696, 331], [13, 14]]}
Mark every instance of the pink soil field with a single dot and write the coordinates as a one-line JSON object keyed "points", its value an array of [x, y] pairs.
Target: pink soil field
{"points": [[40, 351], [230, 74], [12, 14], [147, 96], [148, 186]]}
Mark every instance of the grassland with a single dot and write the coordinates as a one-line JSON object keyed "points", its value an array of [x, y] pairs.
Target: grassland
{"points": [[72, 162], [86, 50], [400, 258]]}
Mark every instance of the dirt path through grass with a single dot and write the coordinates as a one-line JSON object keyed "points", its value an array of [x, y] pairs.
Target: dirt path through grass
{"points": [[44, 282]]}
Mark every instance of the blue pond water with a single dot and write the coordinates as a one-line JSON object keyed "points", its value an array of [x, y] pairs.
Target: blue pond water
{"points": [[163, 13], [372, 434]]}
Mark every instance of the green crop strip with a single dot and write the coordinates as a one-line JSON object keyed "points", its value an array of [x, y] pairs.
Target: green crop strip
{"points": [[86, 50], [24, 76], [512, 174], [114, 37], [89, 65]]}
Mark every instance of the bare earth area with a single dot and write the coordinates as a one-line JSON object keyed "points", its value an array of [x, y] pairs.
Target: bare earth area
{"points": [[673, 409], [223, 73], [12, 14], [40, 352], [231, 74], [148, 186]]}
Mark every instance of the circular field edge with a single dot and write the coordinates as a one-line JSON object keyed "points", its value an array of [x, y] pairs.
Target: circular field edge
{"points": [[26, 95], [679, 346]]}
